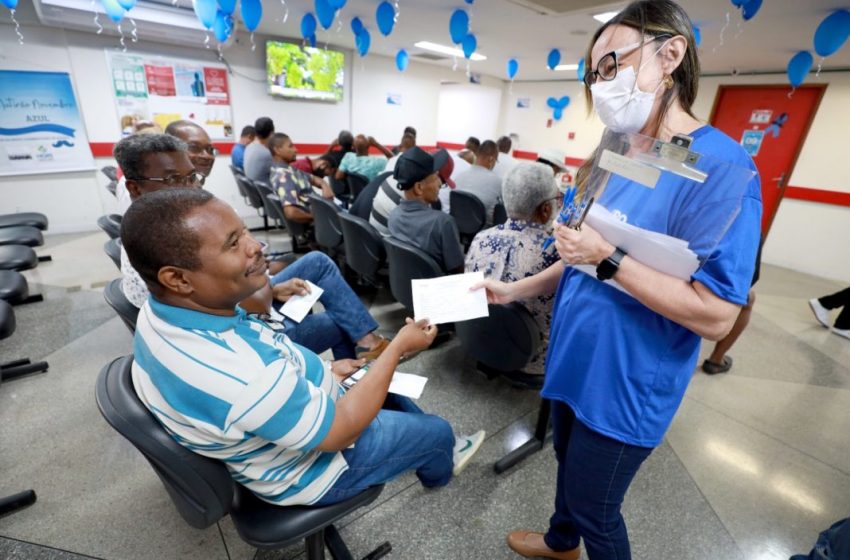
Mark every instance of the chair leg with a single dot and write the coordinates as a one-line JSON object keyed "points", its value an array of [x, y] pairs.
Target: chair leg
{"points": [[315, 545], [29, 299], [336, 545], [18, 368], [15, 502], [45, 258], [533, 445]]}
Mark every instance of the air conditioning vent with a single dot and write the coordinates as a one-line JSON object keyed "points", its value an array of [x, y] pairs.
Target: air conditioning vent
{"points": [[431, 56]]}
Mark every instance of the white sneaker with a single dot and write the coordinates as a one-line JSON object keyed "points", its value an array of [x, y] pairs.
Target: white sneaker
{"points": [[465, 448], [821, 312], [842, 332]]}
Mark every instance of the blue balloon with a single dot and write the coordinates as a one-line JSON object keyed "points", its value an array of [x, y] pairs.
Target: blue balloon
{"points": [[799, 66], [312, 40], [308, 24], [739, 3], [227, 6], [697, 35], [552, 103], [11, 4], [204, 9], [113, 9], [513, 68], [553, 59], [252, 13], [363, 41], [581, 69], [459, 26], [563, 102], [223, 27], [751, 8], [557, 114], [356, 25], [402, 60], [325, 13], [469, 2], [337, 4], [385, 16], [832, 33], [470, 43], [127, 4]]}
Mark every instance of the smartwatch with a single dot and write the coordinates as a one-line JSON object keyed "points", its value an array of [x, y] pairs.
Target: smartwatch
{"points": [[609, 267]]}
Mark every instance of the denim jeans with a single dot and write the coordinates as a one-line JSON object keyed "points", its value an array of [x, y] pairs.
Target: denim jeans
{"points": [[399, 439], [594, 472], [345, 320]]}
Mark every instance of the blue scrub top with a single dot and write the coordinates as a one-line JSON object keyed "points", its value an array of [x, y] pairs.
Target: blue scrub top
{"points": [[621, 367]]}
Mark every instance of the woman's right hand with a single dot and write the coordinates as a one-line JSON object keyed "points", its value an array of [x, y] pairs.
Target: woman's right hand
{"points": [[414, 336], [497, 291]]}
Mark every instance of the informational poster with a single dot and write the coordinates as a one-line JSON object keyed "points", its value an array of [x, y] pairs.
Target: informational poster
{"points": [[164, 89], [40, 126]]}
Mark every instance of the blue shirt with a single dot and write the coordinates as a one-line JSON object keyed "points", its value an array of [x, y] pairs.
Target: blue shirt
{"points": [[232, 389], [621, 367], [367, 166], [237, 156]]}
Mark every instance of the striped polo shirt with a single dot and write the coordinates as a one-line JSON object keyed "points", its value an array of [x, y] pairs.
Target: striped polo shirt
{"points": [[232, 389]]}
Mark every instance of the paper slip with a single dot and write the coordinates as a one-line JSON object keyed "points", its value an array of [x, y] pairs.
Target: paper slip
{"points": [[448, 299], [404, 384], [297, 307]]}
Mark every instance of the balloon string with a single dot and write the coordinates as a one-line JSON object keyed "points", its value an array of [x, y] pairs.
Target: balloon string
{"points": [[96, 18], [468, 69], [338, 23], [740, 30], [722, 33], [791, 93], [285, 10], [220, 54], [121, 38], [820, 67], [454, 63], [134, 33], [395, 17], [206, 39], [253, 44], [17, 26]]}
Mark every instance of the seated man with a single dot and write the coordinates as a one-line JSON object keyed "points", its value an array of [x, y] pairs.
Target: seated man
{"points": [[198, 144], [360, 162], [408, 140], [414, 221], [321, 167], [292, 185], [237, 155], [481, 181], [470, 150], [228, 387], [514, 250], [258, 159], [154, 162], [506, 161]]}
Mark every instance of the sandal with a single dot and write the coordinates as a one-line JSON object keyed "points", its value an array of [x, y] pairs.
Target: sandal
{"points": [[713, 368], [373, 354]]}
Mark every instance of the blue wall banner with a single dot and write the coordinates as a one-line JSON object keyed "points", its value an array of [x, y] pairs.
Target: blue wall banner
{"points": [[41, 130]]}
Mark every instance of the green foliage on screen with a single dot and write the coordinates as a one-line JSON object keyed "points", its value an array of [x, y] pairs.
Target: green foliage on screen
{"points": [[304, 73]]}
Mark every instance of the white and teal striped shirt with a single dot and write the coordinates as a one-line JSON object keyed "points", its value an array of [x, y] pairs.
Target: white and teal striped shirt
{"points": [[232, 389]]}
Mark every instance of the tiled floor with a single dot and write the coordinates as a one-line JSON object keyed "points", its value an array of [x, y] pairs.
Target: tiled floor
{"points": [[757, 462]]}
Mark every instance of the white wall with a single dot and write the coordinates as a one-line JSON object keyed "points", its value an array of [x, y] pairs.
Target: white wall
{"points": [[468, 110]]}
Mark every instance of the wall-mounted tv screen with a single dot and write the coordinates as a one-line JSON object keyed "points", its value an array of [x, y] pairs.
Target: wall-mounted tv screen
{"points": [[297, 72]]}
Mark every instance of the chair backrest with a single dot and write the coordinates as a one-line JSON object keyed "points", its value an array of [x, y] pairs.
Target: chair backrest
{"points": [[114, 296], [364, 247], [269, 208], [110, 226], [237, 175], [7, 320], [504, 341], [326, 222], [201, 488], [362, 206], [111, 172], [356, 184], [111, 186], [112, 248], [407, 263], [255, 199], [468, 211], [500, 214]]}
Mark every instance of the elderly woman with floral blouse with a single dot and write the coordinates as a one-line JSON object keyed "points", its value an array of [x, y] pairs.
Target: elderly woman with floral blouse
{"points": [[514, 250]]}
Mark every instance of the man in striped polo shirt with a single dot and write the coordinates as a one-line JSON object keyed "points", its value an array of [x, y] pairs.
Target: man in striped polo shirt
{"points": [[227, 386]]}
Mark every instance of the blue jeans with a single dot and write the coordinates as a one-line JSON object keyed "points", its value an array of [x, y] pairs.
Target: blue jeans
{"points": [[399, 439], [594, 472], [345, 320]]}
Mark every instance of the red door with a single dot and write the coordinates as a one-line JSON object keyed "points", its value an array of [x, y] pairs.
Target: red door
{"points": [[772, 127]]}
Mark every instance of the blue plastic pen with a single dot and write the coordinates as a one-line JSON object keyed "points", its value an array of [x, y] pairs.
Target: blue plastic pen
{"points": [[564, 215]]}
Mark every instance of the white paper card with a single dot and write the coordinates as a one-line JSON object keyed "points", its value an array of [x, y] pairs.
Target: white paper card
{"points": [[404, 384], [636, 171], [297, 307], [448, 299]]}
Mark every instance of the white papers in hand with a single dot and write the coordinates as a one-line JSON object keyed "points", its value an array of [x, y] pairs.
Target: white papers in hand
{"points": [[448, 299], [404, 384], [297, 307], [659, 251]]}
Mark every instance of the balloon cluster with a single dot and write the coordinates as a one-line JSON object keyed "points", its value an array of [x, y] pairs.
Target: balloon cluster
{"points": [[558, 106], [362, 39], [459, 31], [829, 37]]}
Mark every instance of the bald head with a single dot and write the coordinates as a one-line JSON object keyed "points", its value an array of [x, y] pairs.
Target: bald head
{"points": [[200, 148]]}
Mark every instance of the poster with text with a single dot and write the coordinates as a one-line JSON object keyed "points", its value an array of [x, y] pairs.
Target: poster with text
{"points": [[40, 126], [163, 90]]}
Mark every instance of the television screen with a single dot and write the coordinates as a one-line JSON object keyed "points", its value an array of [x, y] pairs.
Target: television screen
{"points": [[298, 72]]}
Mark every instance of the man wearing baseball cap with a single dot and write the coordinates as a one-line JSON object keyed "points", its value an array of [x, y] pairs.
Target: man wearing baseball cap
{"points": [[414, 221]]}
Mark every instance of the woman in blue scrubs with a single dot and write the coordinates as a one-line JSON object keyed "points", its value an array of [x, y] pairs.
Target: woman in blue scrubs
{"points": [[619, 363]]}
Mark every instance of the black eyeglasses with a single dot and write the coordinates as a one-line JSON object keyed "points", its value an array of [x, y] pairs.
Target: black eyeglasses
{"points": [[606, 68], [208, 149], [193, 179]]}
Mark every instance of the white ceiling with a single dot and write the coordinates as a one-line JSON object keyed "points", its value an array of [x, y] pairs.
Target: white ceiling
{"points": [[506, 30]]}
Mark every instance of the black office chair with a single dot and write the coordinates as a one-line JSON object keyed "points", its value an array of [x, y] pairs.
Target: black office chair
{"points": [[362, 206], [110, 225], [15, 289], [356, 184], [364, 248], [114, 296], [202, 489], [31, 219], [300, 232], [341, 190], [112, 248], [15, 368], [111, 172], [237, 175], [326, 224], [255, 198], [469, 214], [21, 235], [17, 257], [500, 214], [407, 263]]}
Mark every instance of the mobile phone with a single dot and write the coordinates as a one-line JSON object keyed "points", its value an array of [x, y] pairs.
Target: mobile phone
{"points": [[352, 379]]}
